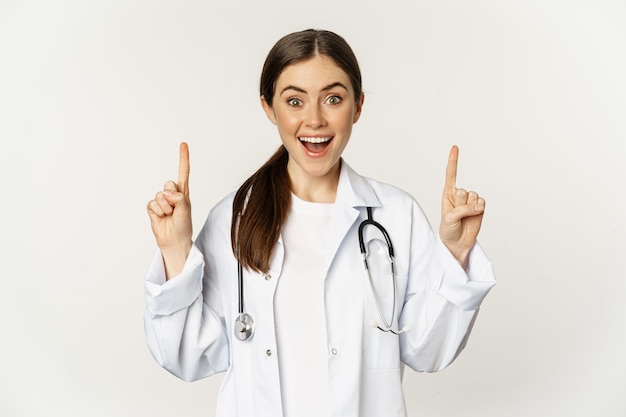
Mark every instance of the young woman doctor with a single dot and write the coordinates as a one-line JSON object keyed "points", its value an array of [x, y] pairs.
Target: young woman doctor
{"points": [[275, 291]]}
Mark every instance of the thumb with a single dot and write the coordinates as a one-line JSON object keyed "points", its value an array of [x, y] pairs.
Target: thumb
{"points": [[175, 198], [464, 211]]}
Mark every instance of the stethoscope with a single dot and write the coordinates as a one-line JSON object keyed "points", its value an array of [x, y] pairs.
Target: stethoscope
{"points": [[244, 323], [386, 325]]}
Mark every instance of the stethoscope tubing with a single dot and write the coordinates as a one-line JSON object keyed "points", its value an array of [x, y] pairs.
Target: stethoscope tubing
{"points": [[240, 287], [371, 222]]}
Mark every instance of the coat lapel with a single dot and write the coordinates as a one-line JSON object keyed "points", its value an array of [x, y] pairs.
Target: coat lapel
{"points": [[353, 191]]}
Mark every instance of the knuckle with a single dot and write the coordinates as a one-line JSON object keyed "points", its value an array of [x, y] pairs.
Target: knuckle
{"points": [[165, 205], [153, 207], [170, 185]]}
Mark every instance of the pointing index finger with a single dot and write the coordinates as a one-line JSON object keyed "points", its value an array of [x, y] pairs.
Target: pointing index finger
{"points": [[453, 160], [183, 169]]}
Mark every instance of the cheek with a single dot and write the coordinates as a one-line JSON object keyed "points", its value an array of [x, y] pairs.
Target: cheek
{"points": [[286, 121], [345, 123], [287, 130]]}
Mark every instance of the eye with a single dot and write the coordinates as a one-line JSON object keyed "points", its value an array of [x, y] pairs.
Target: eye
{"points": [[333, 100], [294, 102]]}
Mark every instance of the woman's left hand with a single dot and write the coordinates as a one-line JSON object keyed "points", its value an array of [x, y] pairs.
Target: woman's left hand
{"points": [[461, 214]]}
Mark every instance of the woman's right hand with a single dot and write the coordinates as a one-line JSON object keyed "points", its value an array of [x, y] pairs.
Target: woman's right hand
{"points": [[170, 218]]}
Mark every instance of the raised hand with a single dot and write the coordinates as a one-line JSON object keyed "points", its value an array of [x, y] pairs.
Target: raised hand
{"points": [[170, 217], [461, 213]]}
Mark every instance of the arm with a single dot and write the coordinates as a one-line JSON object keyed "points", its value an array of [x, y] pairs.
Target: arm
{"points": [[449, 277], [184, 325], [183, 316]]}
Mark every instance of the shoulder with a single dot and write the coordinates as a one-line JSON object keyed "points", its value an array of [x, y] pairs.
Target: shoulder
{"points": [[396, 204], [223, 210], [386, 193], [216, 228], [389, 192], [393, 204]]}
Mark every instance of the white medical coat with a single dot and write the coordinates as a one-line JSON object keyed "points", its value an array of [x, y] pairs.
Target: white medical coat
{"points": [[189, 319]]}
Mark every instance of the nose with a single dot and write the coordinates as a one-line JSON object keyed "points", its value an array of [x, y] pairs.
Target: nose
{"points": [[315, 117]]}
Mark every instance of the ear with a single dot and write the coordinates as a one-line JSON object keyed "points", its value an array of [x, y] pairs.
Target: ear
{"points": [[269, 111], [359, 108]]}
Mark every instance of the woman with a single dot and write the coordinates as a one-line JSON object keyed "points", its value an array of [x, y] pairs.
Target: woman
{"points": [[329, 337]]}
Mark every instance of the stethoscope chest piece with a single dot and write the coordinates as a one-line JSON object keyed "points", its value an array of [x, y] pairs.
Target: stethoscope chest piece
{"points": [[244, 327]]}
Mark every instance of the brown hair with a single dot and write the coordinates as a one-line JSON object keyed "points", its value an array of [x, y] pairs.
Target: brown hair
{"points": [[262, 203]]}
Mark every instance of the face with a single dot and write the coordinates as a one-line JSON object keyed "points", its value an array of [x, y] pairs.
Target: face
{"points": [[314, 110]]}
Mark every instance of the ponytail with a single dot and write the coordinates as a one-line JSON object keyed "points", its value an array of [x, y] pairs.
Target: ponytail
{"points": [[260, 209]]}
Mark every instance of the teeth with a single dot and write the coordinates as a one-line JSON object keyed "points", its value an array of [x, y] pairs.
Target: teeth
{"points": [[315, 140]]}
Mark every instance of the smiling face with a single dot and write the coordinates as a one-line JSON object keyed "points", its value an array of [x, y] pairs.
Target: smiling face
{"points": [[314, 109]]}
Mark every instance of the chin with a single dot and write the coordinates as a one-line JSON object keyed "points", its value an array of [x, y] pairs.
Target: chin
{"points": [[324, 171], [318, 170]]}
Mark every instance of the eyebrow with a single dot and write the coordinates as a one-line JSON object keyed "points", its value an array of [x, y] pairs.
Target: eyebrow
{"points": [[301, 90]]}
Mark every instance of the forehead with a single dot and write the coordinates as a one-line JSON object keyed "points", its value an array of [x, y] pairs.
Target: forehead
{"points": [[316, 72]]}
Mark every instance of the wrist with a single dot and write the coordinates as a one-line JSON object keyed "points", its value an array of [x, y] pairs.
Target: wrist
{"points": [[460, 253], [174, 258]]}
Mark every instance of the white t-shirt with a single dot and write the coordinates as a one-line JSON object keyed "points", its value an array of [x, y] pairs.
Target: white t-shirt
{"points": [[299, 311]]}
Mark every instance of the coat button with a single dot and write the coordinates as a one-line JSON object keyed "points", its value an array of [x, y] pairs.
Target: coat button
{"points": [[268, 277], [333, 351], [268, 352]]}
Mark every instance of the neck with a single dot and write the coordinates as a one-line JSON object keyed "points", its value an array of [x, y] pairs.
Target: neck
{"points": [[322, 189]]}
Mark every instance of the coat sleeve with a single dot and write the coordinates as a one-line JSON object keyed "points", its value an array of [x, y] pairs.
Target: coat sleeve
{"points": [[442, 299], [183, 318]]}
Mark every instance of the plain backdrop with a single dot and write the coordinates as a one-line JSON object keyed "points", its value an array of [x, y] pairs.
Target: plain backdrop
{"points": [[96, 95]]}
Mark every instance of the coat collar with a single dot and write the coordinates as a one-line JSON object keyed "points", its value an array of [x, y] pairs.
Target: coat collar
{"points": [[353, 190]]}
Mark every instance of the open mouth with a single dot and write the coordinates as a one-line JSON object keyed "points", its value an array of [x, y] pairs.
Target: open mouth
{"points": [[315, 144]]}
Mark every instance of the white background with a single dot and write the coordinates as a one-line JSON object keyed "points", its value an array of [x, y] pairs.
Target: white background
{"points": [[96, 95]]}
